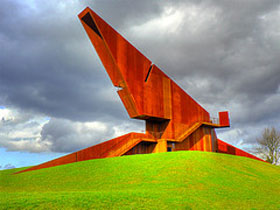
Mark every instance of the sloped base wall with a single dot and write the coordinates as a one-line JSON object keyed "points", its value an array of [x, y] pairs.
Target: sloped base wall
{"points": [[226, 148], [200, 140], [102, 150]]}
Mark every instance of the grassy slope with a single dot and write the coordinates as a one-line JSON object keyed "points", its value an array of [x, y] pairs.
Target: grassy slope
{"points": [[178, 180]]}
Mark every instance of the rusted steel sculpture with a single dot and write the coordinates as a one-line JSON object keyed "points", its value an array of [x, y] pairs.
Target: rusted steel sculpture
{"points": [[174, 121]]}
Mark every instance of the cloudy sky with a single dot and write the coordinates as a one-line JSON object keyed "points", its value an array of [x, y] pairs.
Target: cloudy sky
{"points": [[56, 98]]}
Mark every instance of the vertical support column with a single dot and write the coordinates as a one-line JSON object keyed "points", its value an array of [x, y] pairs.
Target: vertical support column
{"points": [[214, 141], [161, 146], [206, 140]]}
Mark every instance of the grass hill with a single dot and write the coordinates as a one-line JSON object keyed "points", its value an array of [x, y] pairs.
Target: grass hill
{"points": [[176, 180]]}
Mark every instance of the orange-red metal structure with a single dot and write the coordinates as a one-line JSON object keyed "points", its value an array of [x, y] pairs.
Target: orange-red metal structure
{"points": [[226, 148], [174, 120]]}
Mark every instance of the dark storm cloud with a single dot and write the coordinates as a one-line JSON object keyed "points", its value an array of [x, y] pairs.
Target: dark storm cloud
{"points": [[223, 53], [48, 66]]}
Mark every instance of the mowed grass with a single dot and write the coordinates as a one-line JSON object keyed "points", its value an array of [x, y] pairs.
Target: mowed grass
{"points": [[176, 180]]}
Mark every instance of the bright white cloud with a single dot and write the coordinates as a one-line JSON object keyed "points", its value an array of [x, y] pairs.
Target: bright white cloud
{"points": [[5, 115], [32, 133], [21, 131], [67, 136]]}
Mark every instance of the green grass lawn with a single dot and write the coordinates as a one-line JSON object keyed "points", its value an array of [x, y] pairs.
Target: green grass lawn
{"points": [[176, 180]]}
